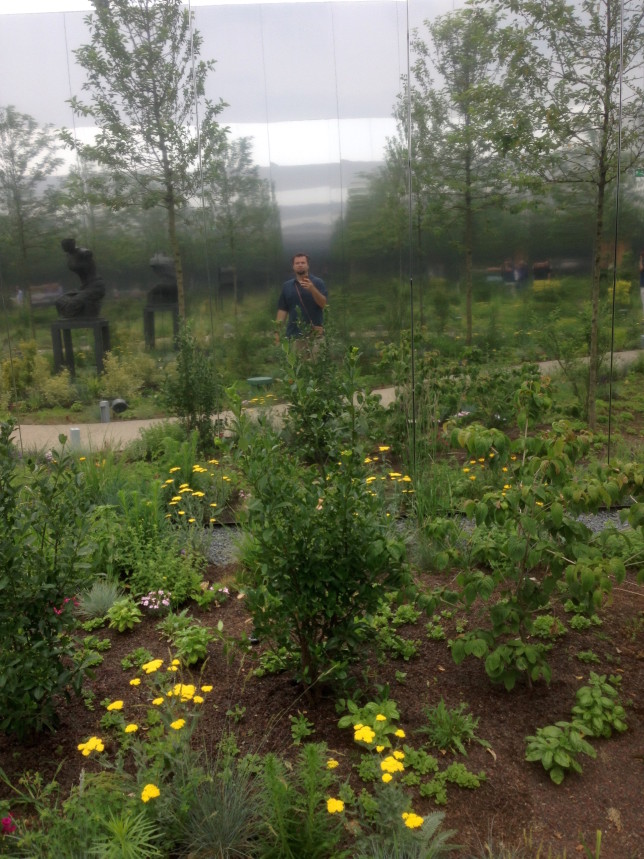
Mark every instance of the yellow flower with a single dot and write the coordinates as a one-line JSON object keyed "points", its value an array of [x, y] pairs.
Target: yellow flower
{"points": [[332, 764], [158, 701], [334, 805], [171, 668], [150, 791], [379, 748], [400, 733], [364, 734], [176, 662], [197, 699], [383, 447], [387, 777], [175, 468], [94, 744], [472, 477], [206, 688], [130, 729], [466, 470], [381, 718], [185, 691], [412, 821], [176, 498], [406, 479], [177, 724], [391, 765], [152, 666], [115, 705], [393, 474], [135, 681], [81, 459], [400, 756]]}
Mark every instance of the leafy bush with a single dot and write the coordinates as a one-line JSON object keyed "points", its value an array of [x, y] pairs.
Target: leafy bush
{"points": [[597, 706], [124, 614], [319, 556], [193, 390], [557, 747], [45, 538]]}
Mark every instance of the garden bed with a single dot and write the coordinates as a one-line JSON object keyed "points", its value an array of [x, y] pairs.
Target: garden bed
{"points": [[517, 800]]}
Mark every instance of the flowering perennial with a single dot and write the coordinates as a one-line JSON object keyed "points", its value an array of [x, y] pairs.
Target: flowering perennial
{"points": [[334, 805], [94, 744], [150, 791]]}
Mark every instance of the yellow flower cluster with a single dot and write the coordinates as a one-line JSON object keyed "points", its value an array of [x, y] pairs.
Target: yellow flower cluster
{"points": [[412, 821], [152, 666], [150, 791], [391, 764], [363, 734], [94, 744], [333, 806]]}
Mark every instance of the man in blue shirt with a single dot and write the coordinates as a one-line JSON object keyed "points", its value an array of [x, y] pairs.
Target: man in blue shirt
{"points": [[302, 300]]}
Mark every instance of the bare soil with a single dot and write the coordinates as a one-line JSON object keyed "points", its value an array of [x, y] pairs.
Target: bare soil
{"points": [[517, 798]]}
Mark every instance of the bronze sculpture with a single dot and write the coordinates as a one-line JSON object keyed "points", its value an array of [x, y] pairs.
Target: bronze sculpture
{"points": [[84, 303]]}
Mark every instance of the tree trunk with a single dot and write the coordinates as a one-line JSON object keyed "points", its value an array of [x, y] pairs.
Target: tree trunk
{"points": [[602, 172], [176, 254]]}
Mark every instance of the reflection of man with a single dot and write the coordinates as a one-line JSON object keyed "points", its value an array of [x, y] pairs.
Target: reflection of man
{"points": [[303, 298]]}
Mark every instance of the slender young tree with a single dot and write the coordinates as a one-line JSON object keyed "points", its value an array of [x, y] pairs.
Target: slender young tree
{"points": [[28, 157], [244, 215], [587, 120], [462, 97], [143, 83]]}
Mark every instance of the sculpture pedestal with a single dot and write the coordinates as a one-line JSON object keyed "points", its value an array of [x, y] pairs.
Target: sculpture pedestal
{"points": [[148, 321], [61, 338]]}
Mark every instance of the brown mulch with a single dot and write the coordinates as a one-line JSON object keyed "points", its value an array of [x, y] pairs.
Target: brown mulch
{"points": [[518, 799]]}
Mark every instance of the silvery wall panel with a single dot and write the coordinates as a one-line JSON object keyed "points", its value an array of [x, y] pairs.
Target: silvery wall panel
{"points": [[313, 86]]}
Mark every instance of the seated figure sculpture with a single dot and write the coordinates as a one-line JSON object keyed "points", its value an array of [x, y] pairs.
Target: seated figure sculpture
{"points": [[84, 303], [165, 291]]}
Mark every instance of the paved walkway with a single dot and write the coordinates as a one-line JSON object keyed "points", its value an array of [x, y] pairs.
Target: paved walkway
{"points": [[118, 433]]}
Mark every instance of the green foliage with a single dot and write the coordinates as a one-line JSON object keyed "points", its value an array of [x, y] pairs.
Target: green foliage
{"points": [[528, 543], [191, 643], [430, 842], [136, 658], [557, 747], [597, 706], [548, 626], [319, 556], [301, 728], [450, 729], [44, 544], [152, 560], [193, 391], [328, 406], [124, 614], [127, 836], [98, 599], [223, 812], [296, 818]]}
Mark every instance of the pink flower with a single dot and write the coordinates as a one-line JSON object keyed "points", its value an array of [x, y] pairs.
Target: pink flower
{"points": [[8, 826]]}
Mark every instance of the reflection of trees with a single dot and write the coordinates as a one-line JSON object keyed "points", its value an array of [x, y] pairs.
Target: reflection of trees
{"points": [[461, 99], [586, 111], [143, 80], [244, 217], [27, 159]]}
